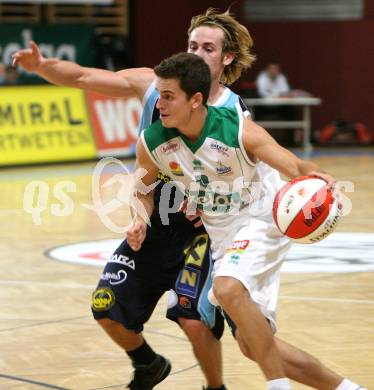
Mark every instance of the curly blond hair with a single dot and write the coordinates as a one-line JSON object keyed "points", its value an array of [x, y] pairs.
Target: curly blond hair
{"points": [[237, 40]]}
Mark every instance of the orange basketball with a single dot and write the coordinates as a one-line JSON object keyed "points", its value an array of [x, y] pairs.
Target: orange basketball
{"points": [[305, 210]]}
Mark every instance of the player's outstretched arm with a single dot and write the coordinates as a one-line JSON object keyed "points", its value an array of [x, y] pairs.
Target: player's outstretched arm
{"points": [[129, 82], [259, 144]]}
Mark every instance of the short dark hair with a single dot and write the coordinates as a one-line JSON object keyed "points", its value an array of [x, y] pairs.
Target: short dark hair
{"points": [[191, 71]]}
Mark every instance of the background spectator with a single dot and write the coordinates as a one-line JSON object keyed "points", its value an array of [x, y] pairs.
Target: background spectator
{"points": [[271, 82]]}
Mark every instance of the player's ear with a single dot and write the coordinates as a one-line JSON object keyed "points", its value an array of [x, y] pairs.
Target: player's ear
{"points": [[228, 58], [197, 100]]}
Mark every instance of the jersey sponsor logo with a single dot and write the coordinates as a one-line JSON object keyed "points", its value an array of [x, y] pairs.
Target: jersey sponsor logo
{"points": [[114, 278], [170, 147], [340, 252], [222, 169], [176, 168], [102, 299], [220, 148], [197, 165], [207, 200], [238, 246], [122, 259]]}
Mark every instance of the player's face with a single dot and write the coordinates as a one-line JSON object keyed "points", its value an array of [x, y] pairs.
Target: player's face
{"points": [[207, 42], [175, 107]]}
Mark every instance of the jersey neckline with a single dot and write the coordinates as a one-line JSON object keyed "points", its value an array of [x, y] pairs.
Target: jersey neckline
{"points": [[195, 145]]}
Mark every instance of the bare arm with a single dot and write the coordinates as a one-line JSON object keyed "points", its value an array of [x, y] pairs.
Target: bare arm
{"points": [[137, 232], [259, 144], [129, 82]]}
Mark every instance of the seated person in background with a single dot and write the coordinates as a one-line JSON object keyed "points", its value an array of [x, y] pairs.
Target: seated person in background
{"points": [[271, 82]]}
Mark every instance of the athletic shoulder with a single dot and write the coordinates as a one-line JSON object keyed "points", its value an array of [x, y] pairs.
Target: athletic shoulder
{"points": [[226, 112], [225, 124]]}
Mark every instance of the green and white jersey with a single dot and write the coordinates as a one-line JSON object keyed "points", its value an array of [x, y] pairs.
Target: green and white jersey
{"points": [[215, 171]]}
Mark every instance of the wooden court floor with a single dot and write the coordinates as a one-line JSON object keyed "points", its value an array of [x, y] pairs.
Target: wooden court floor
{"points": [[48, 339]]}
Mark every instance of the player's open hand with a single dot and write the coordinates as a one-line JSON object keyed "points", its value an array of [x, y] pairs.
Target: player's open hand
{"points": [[31, 59], [136, 234]]}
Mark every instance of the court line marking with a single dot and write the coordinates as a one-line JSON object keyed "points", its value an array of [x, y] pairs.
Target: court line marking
{"points": [[45, 284], [42, 323], [18, 379], [322, 299]]}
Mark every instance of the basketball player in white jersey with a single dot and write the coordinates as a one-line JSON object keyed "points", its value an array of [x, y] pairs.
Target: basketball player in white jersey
{"points": [[246, 281], [224, 44]]}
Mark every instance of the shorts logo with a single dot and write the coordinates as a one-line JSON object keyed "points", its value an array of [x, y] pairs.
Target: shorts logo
{"points": [[234, 259], [188, 282], [185, 302], [238, 246], [176, 168], [121, 259], [114, 278], [102, 299]]}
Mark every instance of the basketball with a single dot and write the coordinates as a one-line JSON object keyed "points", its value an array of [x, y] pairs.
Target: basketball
{"points": [[305, 210]]}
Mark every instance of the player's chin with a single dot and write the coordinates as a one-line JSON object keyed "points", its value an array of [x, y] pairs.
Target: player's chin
{"points": [[166, 122]]}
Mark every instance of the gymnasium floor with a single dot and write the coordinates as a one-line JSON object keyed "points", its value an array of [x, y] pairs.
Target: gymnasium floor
{"points": [[50, 341]]}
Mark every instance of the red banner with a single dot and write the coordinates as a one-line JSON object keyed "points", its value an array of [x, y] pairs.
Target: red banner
{"points": [[115, 124]]}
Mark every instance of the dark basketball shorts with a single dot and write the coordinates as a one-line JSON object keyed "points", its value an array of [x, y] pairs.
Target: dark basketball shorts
{"points": [[132, 283]]}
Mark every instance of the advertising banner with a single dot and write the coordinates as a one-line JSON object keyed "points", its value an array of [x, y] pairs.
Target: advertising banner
{"points": [[44, 124], [68, 42], [115, 124]]}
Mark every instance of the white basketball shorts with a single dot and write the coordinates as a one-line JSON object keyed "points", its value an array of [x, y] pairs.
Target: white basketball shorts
{"points": [[254, 258]]}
